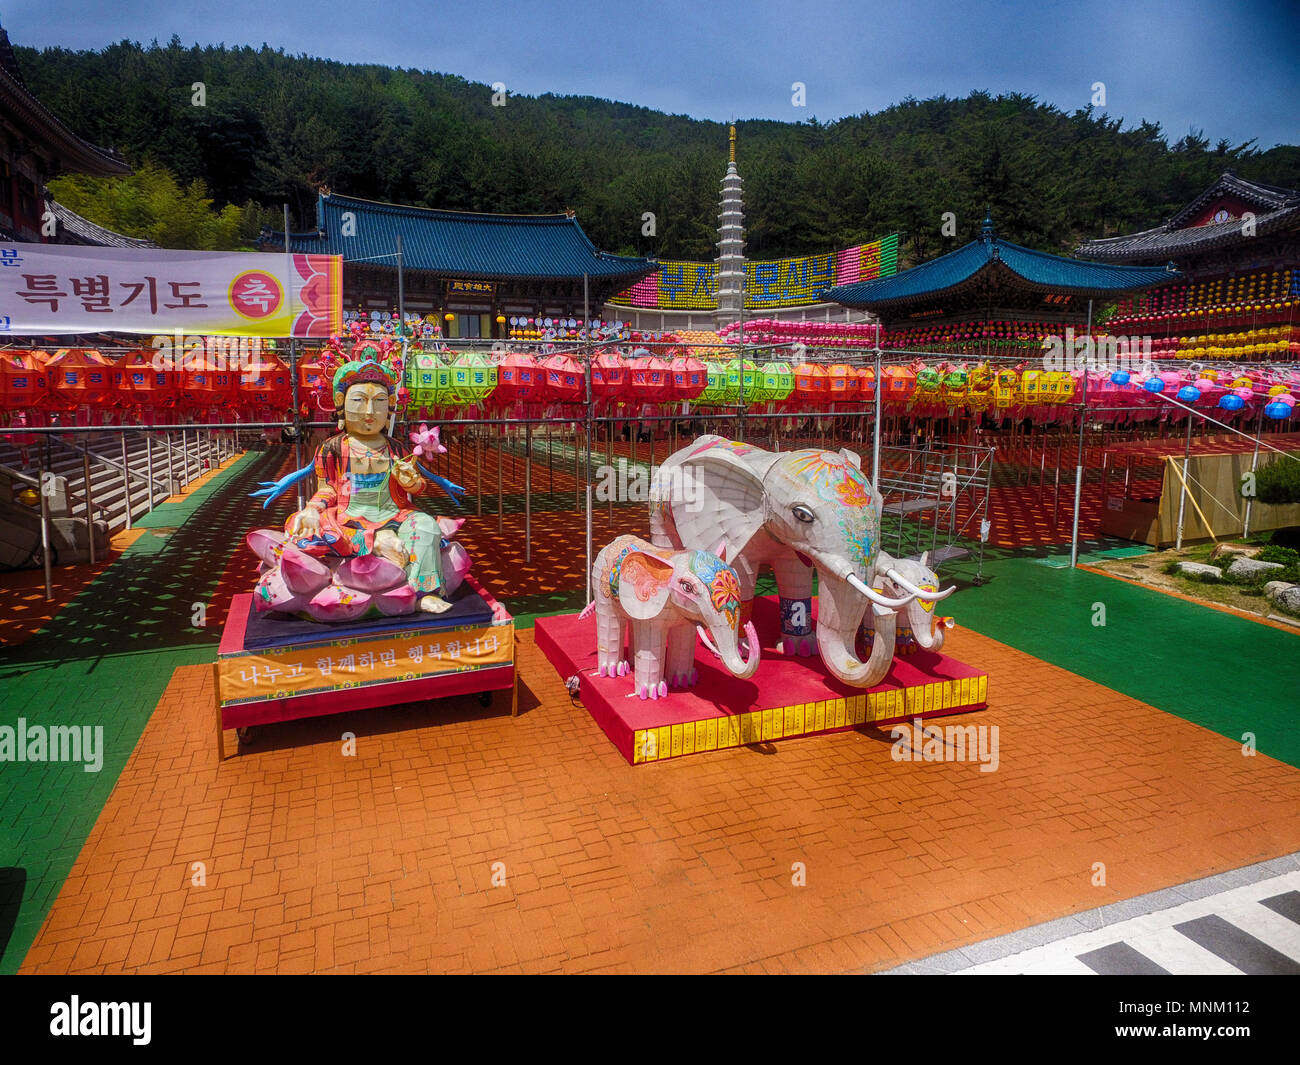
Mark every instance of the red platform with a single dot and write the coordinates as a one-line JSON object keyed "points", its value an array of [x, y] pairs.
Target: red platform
{"points": [[787, 696], [333, 669]]}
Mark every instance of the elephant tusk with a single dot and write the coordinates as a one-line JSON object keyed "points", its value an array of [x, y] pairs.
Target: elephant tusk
{"points": [[875, 596], [920, 593], [704, 639], [751, 634]]}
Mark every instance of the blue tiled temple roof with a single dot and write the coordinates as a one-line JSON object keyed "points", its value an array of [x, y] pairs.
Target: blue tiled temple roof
{"points": [[1033, 269], [462, 244]]}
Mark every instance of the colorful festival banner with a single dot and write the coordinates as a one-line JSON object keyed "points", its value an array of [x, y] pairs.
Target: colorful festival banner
{"points": [[54, 289], [774, 283]]}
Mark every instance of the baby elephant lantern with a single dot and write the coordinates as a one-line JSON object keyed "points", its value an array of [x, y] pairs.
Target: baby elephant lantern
{"points": [[917, 627], [360, 547], [653, 600]]}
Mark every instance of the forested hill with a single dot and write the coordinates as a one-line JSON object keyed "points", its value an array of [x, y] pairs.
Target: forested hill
{"points": [[275, 126]]}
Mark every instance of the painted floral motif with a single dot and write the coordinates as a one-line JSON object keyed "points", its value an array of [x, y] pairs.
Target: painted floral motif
{"points": [[722, 583], [724, 591], [853, 490], [857, 535], [706, 565], [615, 565], [835, 480]]}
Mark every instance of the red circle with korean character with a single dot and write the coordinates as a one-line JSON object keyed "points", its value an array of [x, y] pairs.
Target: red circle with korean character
{"points": [[256, 294]]}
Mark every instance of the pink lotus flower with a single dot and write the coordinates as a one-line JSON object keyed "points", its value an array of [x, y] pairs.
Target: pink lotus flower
{"points": [[426, 442]]}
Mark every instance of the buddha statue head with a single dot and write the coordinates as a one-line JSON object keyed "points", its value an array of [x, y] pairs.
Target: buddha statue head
{"points": [[363, 397]]}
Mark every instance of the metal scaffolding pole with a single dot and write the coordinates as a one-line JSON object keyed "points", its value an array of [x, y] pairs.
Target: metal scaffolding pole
{"points": [[1254, 461], [586, 421], [875, 431], [1182, 494], [148, 458], [1078, 468], [90, 506], [528, 493], [126, 483], [43, 489]]}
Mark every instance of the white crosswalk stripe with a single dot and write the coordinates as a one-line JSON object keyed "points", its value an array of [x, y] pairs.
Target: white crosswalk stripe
{"points": [[1262, 923], [1175, 953], [1154, 939]]}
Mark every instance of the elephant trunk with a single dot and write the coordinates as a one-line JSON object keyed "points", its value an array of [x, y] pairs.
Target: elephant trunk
{"points": [[729, 652], [839, 614], [928, 631]]}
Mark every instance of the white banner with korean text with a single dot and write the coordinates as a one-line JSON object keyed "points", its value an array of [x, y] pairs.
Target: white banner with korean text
{"points": [[55, 289]]}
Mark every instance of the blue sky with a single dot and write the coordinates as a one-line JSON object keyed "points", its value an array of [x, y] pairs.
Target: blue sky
{"points": [[1228, 69]]}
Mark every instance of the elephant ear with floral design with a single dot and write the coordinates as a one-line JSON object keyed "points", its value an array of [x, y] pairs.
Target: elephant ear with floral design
{"points": [[643, 584]]}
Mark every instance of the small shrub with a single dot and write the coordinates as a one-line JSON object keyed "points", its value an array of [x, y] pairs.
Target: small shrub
{"points": [[1288, 556], [1288, 537], [1279, 481]]}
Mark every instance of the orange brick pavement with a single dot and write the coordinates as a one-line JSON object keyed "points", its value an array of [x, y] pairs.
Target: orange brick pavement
{"points": [[383, 862]]}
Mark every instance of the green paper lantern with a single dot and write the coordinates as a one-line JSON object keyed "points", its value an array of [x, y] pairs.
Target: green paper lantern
{"points": [[428, 380], [715, 391], [778, 381], [483, 375], [472, 378], [742, 380]]}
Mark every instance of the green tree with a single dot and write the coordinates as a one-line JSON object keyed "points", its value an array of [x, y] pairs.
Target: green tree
{"points": [[151, 203]]}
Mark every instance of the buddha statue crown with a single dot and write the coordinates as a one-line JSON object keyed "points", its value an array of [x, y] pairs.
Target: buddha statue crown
{"points": [[369, 360]]}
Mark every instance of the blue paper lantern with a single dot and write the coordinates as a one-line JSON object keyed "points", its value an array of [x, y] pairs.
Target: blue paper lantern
{"points": [[1231, 402], [1189, 393], [1120, 377], [1277, 411], [1154, 384]]}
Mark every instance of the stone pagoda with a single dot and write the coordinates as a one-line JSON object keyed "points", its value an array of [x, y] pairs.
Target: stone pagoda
{"points": [[731, 255]]}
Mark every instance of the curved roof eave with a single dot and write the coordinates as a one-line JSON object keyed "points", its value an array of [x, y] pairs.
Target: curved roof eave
{"points": [[962, 268], [74, 152]]}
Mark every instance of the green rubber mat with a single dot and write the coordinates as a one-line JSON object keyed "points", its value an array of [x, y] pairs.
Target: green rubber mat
{"points": [[1220, 671], [104, 662], [1061, 559]]}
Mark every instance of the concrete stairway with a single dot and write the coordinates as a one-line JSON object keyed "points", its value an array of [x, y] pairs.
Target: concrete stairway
{"points": [[157, 464]]}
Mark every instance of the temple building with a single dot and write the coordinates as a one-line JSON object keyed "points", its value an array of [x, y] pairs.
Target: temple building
{"points": [[1232, 226], [1237, 245], [469, 273], [992, 297], [36, 146]]}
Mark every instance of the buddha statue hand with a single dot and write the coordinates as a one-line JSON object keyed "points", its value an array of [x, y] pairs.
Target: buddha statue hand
{"points": [[406, 474], [306, 522]]}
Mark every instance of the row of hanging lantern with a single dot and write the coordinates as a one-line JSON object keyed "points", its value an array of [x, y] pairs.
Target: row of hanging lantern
{"points": [[812, 334], [450, 384], [1043, 395], [141, 385]]}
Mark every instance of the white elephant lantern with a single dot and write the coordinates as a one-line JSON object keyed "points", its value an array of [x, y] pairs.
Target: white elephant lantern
{"points": [[792, 511], [652, 601], [918, 629]]}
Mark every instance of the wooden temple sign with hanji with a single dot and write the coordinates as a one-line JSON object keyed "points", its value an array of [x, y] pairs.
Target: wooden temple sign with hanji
{"points": [[349, 663], [477, 288]]}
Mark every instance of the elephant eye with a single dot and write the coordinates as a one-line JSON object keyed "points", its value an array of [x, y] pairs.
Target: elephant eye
{"points": [[804, 514], [686, 585]]}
